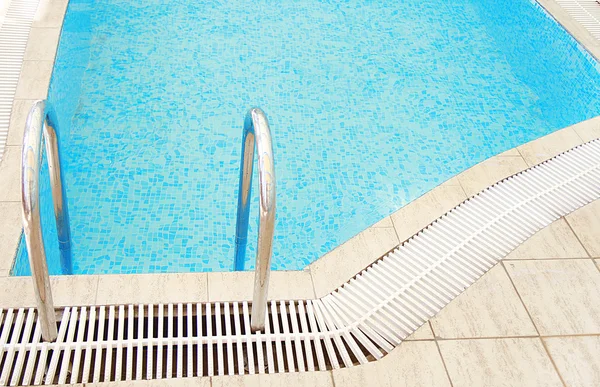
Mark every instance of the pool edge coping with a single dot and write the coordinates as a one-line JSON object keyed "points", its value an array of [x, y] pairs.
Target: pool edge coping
{"points": [[320, 277]]}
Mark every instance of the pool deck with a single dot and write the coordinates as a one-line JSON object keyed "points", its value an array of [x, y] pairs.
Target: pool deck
{"points": [[532, 320]]}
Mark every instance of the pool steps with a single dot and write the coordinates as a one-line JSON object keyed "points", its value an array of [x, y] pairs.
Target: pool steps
{"points": [[359, 322]]}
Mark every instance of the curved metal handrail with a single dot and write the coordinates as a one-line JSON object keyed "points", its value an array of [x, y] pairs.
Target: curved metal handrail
{"points": [[256, 129], [41, 113]]}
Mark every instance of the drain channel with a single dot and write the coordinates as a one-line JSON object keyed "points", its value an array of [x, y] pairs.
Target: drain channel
{"points": [[112, 343], [359, 322]]}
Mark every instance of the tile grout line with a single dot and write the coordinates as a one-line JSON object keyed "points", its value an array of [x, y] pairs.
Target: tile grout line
{"points": [[518, 148], [463, 188], [97, 289], [509, 337], [520, 298], [534, 325], [541, 259], [577, 236], [440, 352], [332, 378], [552, 361], [594, 263], [394, 227], [208, 287]]}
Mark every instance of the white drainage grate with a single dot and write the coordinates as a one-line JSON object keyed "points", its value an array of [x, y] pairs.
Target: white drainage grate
{"points": [[14, 32], [359, 322], [586, 12]]}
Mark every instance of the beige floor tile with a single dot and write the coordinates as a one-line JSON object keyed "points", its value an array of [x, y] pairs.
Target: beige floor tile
{"points": [[413, 217], [34, 80], [385, 223], [453, 181], [300, 379], [339, 265], [236, 381], [423, 333], [577, 359], [18, 118], [17, 292], [586, 224], [152, 288], [588, 130], [555, 241], [488, 308], [42, 43], [412, 363], [10, 233], [238, 286], [74, 290], [499, 362], [50, 13], [489, 172], [562, 296], [544, 148], [183, 382], [597, 263], [510, 153], [10, 174], [362, 375]]}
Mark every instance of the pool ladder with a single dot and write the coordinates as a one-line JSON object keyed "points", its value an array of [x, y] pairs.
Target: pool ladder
{"points": [[42, 125], [256, 131], [41, 122]]}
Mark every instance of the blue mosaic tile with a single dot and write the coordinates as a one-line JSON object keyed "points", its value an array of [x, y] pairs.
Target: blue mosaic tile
{"points": [[371, 104]]}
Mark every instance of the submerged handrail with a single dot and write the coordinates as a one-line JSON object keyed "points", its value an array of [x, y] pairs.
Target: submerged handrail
{"points": [[256, 130], [41, 121]]}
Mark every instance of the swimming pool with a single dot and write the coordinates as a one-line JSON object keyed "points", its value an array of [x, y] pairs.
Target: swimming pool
{"points": [[371, 104]]}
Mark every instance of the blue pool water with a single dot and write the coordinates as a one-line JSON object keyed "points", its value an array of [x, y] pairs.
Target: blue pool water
{"points": [[371, 104]]}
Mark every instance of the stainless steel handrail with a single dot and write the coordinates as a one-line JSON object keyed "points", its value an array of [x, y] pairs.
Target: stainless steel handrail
{"points": [[256, 129], [41, 113]]}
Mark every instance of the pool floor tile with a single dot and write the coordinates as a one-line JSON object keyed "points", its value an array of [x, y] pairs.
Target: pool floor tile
{"points": [[412, 363], [586, 223], [488, 308], [506, 362], [562, 296], [577, 359], [555, 241]]}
